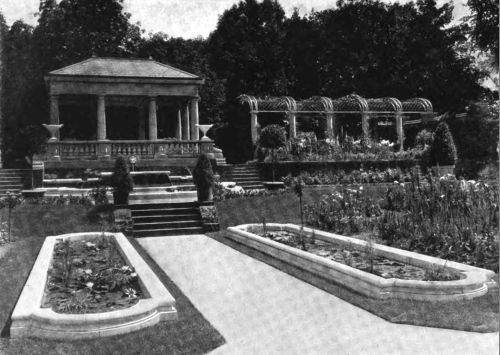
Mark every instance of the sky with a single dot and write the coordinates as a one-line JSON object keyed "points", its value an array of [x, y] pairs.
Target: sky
{"points": [[185, 18]]}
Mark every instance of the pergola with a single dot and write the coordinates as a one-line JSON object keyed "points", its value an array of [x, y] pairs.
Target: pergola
{"points": [[369, 109]]}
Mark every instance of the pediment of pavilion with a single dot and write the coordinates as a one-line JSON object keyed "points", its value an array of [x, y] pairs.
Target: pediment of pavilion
{"points": [[122, 77]]}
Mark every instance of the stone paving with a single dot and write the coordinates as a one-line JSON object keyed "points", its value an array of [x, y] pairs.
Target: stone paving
{"points": [[261, 310]]}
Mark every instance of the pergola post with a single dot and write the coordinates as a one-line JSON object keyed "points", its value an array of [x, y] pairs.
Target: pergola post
{"points": [[101, 118], [365, 125], [178, 128], [330, 125], [253, 126], [194, 118], [292, 119], [153, 128], [185, 123], [399, 130]]}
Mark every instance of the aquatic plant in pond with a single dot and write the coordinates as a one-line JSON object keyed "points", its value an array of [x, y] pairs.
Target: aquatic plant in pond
{"points": [[364, 260], [90, 277]]}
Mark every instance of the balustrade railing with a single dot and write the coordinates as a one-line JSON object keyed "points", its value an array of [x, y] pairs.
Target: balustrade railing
{"points": [[143, 149]]}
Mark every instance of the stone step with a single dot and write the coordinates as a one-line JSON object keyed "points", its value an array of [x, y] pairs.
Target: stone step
{"points": [[163, 205], [11, 186], [249, 178], [11, 177], [166, 218], [164, 211], [168, 232], [245, 174], [166, 225]]}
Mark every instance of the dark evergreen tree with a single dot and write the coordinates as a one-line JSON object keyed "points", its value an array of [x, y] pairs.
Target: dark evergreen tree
{"points": [[443, 151]]}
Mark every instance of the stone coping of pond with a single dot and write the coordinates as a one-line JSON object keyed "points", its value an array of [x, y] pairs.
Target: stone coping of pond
{"points": [[30, 319], [473, 282]]}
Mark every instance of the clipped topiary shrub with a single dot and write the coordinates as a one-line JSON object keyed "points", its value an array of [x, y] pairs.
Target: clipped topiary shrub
{"points": [[443, 150], [121, 181], [203, 178]]}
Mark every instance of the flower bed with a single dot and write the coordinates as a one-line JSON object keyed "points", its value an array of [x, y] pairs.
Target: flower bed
{"points": [[31, 318], [473, 281], [90, 277]]}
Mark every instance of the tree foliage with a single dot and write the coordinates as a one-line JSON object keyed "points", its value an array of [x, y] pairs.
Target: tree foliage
{"points": [[369, 47], [484, 20]]}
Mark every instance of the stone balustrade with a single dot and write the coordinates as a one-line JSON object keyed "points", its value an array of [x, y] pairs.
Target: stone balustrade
{"points": [[143, 149]]}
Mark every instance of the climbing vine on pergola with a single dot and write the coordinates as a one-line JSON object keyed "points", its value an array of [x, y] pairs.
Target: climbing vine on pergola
{"points": [[400, 111]]}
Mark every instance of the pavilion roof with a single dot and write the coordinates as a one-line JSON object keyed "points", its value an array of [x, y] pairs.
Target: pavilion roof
{"points": [[123, 68]]}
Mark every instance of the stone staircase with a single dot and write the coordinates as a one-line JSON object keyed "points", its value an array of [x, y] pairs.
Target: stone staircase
{"points": [[245, 175], [166, 219], [11, 180]]}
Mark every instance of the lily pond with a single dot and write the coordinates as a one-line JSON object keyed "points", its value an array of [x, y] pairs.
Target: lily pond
{"points": [[90, 277], [364, 260]]}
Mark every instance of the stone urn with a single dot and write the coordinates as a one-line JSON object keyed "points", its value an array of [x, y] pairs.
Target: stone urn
{"points": [[53, 129], [204, 128]]}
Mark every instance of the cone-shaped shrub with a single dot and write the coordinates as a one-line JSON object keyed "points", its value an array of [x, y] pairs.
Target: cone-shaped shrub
{"points": [[121, 181], [203, 178], [443, 151]]}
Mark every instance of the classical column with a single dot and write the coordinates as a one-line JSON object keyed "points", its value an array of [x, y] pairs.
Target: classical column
{"points": [[185, 123], [365, 125], [293, 125], [101, 118], [153, 129], [253, 126], [399, 129], [54, 109], [193, 113], [178, 129], [142, 122]]}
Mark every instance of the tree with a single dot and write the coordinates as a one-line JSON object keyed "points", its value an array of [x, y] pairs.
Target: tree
{"points": [[443, 151], [246, 53], [74, 30], [484, 25], [272, 137], [376, 50]]}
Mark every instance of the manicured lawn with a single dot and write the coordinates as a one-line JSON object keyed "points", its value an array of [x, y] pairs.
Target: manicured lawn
{"points": [[191, 334], [480, 314]]}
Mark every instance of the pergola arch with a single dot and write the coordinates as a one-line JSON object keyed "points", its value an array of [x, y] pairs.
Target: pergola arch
{"points": [[328, 107]]}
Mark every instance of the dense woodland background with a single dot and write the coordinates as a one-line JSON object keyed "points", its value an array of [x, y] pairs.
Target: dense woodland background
{"points": [[366, 47]]}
